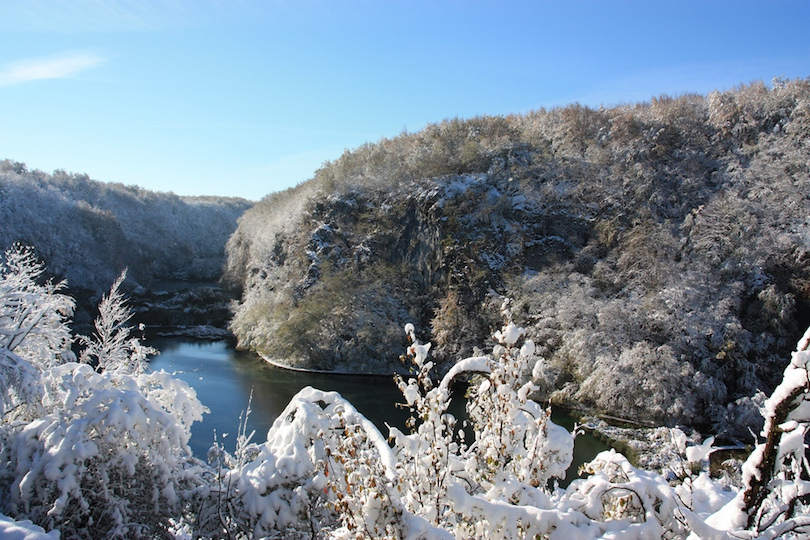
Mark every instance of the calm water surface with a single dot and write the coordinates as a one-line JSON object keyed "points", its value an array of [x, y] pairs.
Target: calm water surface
{"points": [[224, 377]]}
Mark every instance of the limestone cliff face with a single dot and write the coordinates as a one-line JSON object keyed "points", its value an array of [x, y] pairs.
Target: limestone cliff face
{"points": [[656, 253]]}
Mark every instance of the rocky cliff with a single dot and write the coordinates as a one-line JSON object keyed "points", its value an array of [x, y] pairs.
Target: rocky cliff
{"points": [[658, 253]]}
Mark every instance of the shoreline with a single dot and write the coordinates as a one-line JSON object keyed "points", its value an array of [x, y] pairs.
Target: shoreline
{"points": [[278, 364]]}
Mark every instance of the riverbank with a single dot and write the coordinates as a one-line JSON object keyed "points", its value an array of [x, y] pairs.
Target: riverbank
{"points": [[657, 448], [280, 365], [645, 445]]}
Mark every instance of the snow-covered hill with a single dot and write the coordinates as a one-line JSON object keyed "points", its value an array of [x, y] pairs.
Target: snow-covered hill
{"points": [[657, 253], [87, 231]]}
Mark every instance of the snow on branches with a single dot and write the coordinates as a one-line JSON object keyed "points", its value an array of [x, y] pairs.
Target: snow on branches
{"points": [[111, 348], [33, 316], [499, 485], [775, 498], [92, 452], [102, 449], [515, 450]]}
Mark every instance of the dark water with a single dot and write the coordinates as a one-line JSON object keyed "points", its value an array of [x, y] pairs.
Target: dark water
{"points": [[224, 378]]}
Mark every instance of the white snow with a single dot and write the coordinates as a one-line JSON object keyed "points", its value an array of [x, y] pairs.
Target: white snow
{"points": [[24, 530], [69, 429], [475, 364], [700, 452], [509, 334]]}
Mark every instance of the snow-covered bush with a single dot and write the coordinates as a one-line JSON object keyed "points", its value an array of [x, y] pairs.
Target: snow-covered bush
{"points": [[309, 474], [110, 455], [498, 486], [514, 438], [515, 452], [101, 449], [90, 452]]}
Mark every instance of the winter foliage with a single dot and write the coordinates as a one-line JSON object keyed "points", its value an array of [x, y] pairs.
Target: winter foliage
{"points": [[656, 253], [89, 231], [99, 448]]}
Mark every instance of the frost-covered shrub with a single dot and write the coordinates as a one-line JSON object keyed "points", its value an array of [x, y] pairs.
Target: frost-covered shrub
{"points": [[496, 486], [33, 332], [272, 487], [89, 451]]}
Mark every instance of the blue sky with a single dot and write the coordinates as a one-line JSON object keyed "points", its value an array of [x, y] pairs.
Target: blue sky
{"points": [[246, 98]]}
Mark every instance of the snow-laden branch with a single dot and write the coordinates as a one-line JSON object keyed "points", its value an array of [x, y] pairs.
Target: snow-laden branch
{"points": [[309, 422], [474, 364], [772, 483]]}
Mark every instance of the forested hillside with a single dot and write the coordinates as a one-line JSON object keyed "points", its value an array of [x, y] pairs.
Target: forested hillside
{"points": [[657, 253], [87, 231]]}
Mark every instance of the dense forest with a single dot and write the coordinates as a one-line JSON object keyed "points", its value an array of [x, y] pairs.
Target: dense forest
{"points": [[657, 253], [88, 231]]}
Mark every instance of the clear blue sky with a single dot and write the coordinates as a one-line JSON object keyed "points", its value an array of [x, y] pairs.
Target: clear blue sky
{"points": [[245, 98]]}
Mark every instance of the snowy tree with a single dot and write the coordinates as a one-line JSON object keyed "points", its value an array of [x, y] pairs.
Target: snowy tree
{"points": [[33, 328], [34, 312], [112, 348], [89, 452]]}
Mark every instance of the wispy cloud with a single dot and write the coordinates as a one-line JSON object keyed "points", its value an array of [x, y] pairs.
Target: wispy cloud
{"points": [[51, 67]]}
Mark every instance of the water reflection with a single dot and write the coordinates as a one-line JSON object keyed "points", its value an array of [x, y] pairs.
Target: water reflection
{"points": [[224, 377]]}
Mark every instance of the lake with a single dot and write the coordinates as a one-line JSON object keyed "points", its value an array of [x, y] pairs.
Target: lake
{"points": [[224, 377]]}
